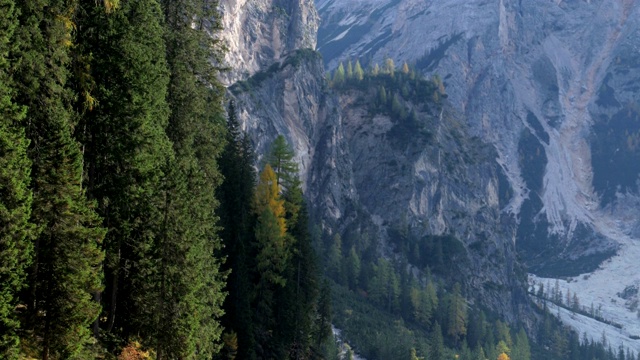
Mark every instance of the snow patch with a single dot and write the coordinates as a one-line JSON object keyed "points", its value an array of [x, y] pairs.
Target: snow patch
{"points": [[610, 290], [595, 329]]}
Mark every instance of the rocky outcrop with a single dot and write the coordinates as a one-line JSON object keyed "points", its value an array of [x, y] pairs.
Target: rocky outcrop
{"points": [[364, 170], [549, 84], [369, 171], [258, 33], [291, 98]]}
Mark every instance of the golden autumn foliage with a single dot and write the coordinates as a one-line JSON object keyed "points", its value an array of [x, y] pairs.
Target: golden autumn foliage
{"points": [[268, 196], [111, 5], [134, 351], [503, 356], [230, 347]]}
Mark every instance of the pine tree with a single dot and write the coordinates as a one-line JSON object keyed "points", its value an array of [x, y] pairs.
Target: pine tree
{"points": [[339, 75], [16, 231], [188, 290], [66, 269], [281, 158], [126, 146], [236, 195], [273, 253], [358, 72], [457, 315]]}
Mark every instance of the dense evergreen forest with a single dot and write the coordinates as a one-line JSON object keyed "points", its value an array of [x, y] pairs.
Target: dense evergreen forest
{"points": [[133, 223]]}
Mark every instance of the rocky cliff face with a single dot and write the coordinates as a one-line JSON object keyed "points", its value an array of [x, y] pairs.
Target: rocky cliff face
{"points": [[553, 86], [371, 172], [259, 33], [537, 147], [544, 82]]}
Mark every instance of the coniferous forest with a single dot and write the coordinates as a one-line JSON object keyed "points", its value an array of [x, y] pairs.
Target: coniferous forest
{"points": [[134, 224]]}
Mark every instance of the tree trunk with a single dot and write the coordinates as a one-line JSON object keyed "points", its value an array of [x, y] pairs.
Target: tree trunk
{"points": [[114, 295]]}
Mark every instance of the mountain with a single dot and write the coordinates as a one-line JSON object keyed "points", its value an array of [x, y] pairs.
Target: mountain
{"points": [[366, 176], [553, 87], [258, 33], [538, 123]]}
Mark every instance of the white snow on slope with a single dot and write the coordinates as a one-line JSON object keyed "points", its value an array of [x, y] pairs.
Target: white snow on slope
{"points": [[601, 288], [595, 329]]}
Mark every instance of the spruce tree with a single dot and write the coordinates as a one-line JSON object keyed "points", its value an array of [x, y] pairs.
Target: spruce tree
{"points": [[189, 284], [16, 231], [272, 257], [521, 349], [270, 229], [324, 317], [358, 72], [281, 158], [236, 219], [66, 269], [126, 145], [296, 303], [339, 75], [436, 343], [457, 315]]}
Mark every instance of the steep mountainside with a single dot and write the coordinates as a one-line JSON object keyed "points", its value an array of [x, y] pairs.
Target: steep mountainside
{"points": [[258, 33], [543, 82], [368, 173], [553, 86]]}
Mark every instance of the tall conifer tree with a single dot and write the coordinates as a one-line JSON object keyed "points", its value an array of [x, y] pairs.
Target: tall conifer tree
{"points": [[126, 145], [237, 219], [272, 257], [190, 292], [281, 158], [67, 257], [15, 195]]}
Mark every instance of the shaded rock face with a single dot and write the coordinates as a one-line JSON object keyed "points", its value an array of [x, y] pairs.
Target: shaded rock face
{"points": [[261, 32], [486, 171], [291, 98], [551, 84], [436, 179], [371, 172]]}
